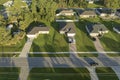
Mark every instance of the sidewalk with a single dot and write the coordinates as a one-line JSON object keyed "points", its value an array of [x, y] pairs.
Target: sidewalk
{"points": [[92, 73], [26, 48]]}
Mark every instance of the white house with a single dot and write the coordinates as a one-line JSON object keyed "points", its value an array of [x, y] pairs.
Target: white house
{"points": [[88, 14], [66, 12], [105, 12], [91, 1], [38, 30], [8, 3], [96, 29], [67, 28]]}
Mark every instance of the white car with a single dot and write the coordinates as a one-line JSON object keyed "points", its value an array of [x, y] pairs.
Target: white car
{"points": [[71, 40]]}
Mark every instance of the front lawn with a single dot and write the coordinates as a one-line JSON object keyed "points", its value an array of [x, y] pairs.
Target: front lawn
{"points": [[113, 54], [111, 40], [49, 55], [7, 73], [106, 73], [52, 42], [83, 40], [87, 55], [59, 74]]}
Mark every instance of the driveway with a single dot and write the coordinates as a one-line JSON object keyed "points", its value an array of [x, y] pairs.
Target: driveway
{"points": [[26, 48], [98, 45]]}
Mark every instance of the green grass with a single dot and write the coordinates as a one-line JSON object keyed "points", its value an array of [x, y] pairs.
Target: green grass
{"points": [[52, 42], [87, 55], [9, 55], [111, 40], [83, 40], [3, 1], [59, 74], [113, 54], [106, 73], [13, 48], [7, 73], [48, 55]]}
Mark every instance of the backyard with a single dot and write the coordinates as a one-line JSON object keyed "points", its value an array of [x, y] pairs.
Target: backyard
{"points": [[59, 74]]}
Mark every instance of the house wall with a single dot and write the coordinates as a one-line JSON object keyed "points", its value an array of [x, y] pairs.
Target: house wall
{"points": [[103, 31], [94, 34], [103, 14], [87, 16], [70, 34], [43, 32], [62, 32], [31, 36]]}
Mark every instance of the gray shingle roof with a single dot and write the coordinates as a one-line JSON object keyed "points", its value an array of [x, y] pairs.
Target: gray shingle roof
{"points": [[67, 27], [95, 28], [36, 29], [88, 13]]}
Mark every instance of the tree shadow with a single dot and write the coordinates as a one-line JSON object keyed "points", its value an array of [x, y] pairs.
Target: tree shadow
{"points": [[35, 47], [55, 25], [90, 48]]}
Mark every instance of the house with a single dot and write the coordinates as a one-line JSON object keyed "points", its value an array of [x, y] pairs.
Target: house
{"points": [[96, 29], [91, 1], [117, 29], [8, 3], [27, 1], [105, 12], [67, 28], [66, 12], [88, 14], [118, 12], [35, 31], [9, 26]]}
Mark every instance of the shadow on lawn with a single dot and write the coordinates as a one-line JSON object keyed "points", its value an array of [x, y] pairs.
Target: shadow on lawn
{"points": [[55, 26], [111, 44], [90, 48], [35, 47]]}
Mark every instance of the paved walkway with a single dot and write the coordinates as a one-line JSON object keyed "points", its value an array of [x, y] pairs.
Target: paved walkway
{"points": [[26, 48], [92, 73], [24, 72]]}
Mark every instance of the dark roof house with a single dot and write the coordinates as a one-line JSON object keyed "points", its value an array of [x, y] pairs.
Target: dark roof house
{"points": [[104, 11], [88, 14], [96, 29], [36, 30], [68, 28]]}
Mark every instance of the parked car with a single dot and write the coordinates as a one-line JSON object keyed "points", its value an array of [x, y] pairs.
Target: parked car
{"points": [[94, 39], [93, 63], [71, 40]]}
